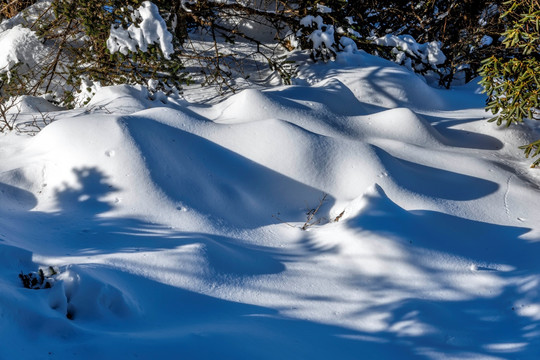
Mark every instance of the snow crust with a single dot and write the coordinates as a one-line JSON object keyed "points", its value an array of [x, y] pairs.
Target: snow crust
{"points": [[175, 227]]}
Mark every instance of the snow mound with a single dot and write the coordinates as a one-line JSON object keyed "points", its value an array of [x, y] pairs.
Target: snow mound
{"points": [[13, 198], [80, 295], [248, 105], [378, 82], [122, 99], [34, 105], [404, 125], [205, 176]]}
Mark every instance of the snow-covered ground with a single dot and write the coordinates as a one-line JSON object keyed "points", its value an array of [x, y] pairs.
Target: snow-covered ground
{"points": [[175, 228]]}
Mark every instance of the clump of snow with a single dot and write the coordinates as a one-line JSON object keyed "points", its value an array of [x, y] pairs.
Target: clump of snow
{"points": [[486, 40], [489, 12], [430, 53], [184, 4], [87, 90], [19, 45], [309, 20], [321, 37], [348, 44], [324, 9], [151, 29]]}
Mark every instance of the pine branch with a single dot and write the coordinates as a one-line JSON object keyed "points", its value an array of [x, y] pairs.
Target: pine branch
{"points": [[532, 150]]}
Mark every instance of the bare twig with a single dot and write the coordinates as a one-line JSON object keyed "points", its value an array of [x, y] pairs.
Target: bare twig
{"points": [[282, 221], [311, 216], [36, 125], [337, 218], [7, 116], [311, 220]]}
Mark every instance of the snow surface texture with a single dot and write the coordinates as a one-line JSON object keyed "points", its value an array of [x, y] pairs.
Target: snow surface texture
{"points": [[175, 228], [151, 29]]}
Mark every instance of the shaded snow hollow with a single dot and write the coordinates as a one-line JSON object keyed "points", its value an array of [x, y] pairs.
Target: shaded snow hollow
{"points": [[175, 228]]}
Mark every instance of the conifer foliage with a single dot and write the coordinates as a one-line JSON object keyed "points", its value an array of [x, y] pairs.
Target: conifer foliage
{"points": [[10, 8], [91, 23], [513, 82], [75, 55], [78, 32]]}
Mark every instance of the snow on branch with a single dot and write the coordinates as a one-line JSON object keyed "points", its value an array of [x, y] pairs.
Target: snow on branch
{"points": [[19, 45], [151, 30], [430, 53]]}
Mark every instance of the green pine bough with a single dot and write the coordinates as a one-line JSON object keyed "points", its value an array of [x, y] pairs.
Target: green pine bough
{"points": [[512, 82]]}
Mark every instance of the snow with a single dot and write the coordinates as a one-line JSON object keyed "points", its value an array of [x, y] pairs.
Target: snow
{"points": [[323, 35], [429, 52], [19, 45], [152, 29], [349, 45], [324, 9], [485, 41], [175, 226]]}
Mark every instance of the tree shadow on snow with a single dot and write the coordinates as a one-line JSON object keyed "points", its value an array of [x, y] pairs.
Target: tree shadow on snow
{"points": [[78, 229], [172, 320], [132, 315], [195, 326], [490, 309]]}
